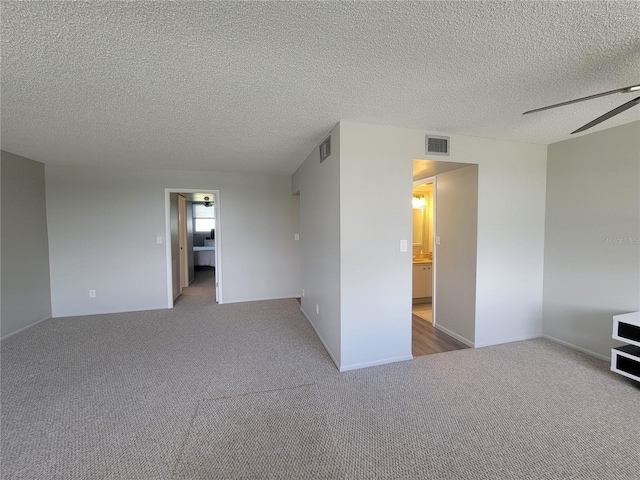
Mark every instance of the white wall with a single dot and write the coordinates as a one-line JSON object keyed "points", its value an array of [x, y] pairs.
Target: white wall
{"points": [[456, 256], [375, 213], [103, 225], [592, 251], [511, 206], [374, 179], [26, 296], [511, 203], [319, 187]]}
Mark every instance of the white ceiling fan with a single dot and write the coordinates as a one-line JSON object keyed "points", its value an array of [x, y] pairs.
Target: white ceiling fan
{"points": [[602, 118]]}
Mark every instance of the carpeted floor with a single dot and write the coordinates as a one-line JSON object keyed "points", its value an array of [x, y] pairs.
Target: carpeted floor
{"points": [[203, 285], [208, 391]]}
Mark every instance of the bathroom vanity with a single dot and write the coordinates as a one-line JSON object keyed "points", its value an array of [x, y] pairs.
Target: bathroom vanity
{"points": [[422, 279]]}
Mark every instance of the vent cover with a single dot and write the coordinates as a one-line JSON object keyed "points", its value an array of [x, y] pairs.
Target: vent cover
{"points": [[325, 149], [436, 145]]}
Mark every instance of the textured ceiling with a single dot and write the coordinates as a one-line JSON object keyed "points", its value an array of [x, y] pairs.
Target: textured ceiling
{"points": [[244, 86]]}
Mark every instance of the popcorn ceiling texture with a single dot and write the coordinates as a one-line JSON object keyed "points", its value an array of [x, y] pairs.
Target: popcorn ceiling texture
{"points": [[244, 86]]}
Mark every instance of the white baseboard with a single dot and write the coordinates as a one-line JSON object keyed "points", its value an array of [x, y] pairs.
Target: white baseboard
{"points": [[576, 347], [108, 312], [337, 364], [258, 299], [508, 340], [468, 343], [25, 328], [384, 361]]}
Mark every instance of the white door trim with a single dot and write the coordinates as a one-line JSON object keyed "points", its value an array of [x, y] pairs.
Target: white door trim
{"points": [[182, 227], [434, 229], [218, 239]]}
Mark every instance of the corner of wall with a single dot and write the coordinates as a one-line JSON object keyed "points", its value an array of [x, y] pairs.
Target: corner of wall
{"points": [[26, 290]]}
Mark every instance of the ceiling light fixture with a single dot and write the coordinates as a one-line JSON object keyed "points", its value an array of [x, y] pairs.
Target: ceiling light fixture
{"points": [[419, 201]]}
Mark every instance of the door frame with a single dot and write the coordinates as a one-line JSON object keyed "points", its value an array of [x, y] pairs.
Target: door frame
{"points": [[217, 240], [182, 235]]}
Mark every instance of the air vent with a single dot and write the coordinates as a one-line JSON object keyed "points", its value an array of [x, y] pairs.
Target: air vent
{"points": [[436, 145], [325, 149]]}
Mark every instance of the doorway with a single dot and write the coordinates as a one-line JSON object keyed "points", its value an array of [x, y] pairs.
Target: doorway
{"points": [[423, 204], [193, 232], [444, 256]]}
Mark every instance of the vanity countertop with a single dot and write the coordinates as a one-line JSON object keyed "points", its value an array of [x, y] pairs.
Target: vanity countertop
{"points": [[422, 260]]}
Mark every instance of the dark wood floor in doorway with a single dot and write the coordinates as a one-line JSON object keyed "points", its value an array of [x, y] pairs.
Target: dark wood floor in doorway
{"points": [[426, 339]]}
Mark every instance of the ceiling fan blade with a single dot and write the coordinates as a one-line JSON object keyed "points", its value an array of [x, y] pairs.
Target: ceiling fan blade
{"points": [[632, 88], [608, 115]]}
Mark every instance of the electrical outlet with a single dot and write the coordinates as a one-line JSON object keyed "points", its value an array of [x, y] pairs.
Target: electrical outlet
{"points": [[92, 294], [317, 309], [159, 240], [303, 292]]}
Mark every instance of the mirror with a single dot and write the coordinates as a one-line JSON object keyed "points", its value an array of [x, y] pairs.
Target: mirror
{"points": [[418, 227]]}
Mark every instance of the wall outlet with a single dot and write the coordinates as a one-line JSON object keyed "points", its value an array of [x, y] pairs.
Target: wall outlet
{"points": [[303, 292], [317, 309], [159, 240], [92, 294]]}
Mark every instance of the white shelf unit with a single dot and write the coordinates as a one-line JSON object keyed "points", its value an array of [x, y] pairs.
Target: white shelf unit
{"points": [[626, 360]]}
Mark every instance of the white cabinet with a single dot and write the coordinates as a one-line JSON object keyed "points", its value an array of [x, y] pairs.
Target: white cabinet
{"points": [[422, 280], [626, 360]]}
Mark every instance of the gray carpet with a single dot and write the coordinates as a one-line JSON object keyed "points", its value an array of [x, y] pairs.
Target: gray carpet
{"points": [[208, 391], [203, 284], [286, 435]]}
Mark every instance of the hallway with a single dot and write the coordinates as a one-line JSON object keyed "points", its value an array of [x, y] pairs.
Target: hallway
{"points": [[203, 285]]}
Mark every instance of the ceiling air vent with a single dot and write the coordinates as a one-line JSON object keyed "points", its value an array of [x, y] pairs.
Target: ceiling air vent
{"points": [[325, 149], [436, 145]]}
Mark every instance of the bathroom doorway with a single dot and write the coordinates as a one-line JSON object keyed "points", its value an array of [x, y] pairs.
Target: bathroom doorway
{"points": [[444, 256], [422, 249]]}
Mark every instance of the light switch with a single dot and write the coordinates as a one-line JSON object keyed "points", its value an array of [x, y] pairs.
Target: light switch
{"points": [[296, 236], [403, 245], [437, 240]]}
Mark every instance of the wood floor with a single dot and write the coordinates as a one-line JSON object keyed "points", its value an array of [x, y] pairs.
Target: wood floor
{"points": [[426, 339]]}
